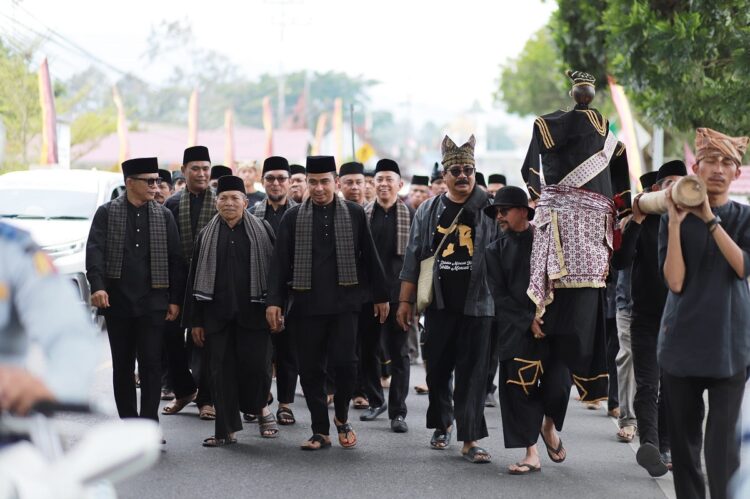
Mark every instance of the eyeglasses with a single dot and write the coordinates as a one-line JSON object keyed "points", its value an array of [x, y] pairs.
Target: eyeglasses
{"points": [[271, 179], [150, 181], [456, 171]]}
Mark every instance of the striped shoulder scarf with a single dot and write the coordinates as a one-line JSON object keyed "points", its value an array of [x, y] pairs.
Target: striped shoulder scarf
{"points": [[346, 263], [403, 224], [259, 210], [208, 210], [157, 233]]}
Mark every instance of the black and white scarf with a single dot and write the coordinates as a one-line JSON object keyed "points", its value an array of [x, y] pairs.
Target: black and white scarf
{"points": [[157, 233], [208, 210], [260, 209], [403, 224], [261, 249], [346, 264]]}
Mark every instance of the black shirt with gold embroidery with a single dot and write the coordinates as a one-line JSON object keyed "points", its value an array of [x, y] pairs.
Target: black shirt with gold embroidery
{"points": [[454, 259]]}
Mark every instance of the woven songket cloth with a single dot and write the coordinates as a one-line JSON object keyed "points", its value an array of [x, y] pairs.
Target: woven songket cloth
{"points": [[454, 155], [346, 264], [208, 210], [157, 233], [403, 224], [261, 249], [260, 208], [573, 242]]}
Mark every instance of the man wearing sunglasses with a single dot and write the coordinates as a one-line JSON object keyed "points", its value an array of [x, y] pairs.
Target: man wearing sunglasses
{"points": [[134, 266], [451, 227]]}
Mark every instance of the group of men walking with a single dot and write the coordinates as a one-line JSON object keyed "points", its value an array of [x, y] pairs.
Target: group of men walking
{"points": [[307, 282]]}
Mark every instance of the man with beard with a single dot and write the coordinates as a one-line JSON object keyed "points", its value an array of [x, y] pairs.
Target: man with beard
{"points": [[390, 221], [248, 172], [297, 183], [192, 209], [276, 184], [224, 308], [419, 192], [352, 182], [451, 228], [165, 187], [323, 252]]}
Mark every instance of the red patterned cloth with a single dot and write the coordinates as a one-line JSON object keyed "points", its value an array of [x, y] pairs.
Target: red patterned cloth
{"points": [[573, 242]]}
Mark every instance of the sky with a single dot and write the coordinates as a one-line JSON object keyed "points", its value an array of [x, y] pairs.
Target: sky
{"points": [[433, 58]]}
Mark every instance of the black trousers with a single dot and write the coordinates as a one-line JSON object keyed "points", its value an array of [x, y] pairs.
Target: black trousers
{"points": [[649, 402], [494, 358], [285, 357], [685, 424], [178, 371], [395, 342], [363, 323], [132, 338], [457, 342], [326, 343], [199, 367], [240, 364], [529, 391], [613, 346]]}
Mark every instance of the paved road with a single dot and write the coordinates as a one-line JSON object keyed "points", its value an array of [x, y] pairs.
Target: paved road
{"points": [[385, 464]]}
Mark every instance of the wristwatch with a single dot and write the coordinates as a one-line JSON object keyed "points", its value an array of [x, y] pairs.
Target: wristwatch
{"points": [[711, 224]]}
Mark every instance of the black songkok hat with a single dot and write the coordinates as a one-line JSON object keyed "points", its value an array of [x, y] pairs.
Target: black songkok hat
{"points": [[509, 196], [648, 179], [166, 176], [351, 168], [497, 178], [230, 183], [195, 153], [275, 163], [177, 175], [420, 180], [436, 173], [137, 166], [675, 167], [295, 169], [369, 173], [480, 179], [321, 164], [219, 171], [387, 165]]}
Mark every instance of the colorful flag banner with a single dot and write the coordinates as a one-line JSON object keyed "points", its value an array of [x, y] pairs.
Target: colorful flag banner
{"points": [[122, 128], [229, 138], [193, 119], [364, 153], [320, 130], [628, 129], [338, 132], [689, 156], [297, 120], [49, 119], [268, 126]]}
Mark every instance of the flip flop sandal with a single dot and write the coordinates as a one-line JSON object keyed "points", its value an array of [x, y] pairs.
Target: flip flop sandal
{"points": [[344, 430], [626, 436], [477, 455], [207, 413], [266, 424], [529, 469], [212, 441], [441, 439], [320, 440], [250, 418], [361, 403], [177, 405], [285, 416], [554, 452]]}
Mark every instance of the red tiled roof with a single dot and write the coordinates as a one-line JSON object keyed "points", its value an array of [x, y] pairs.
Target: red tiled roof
{"points": [[742, 184]]}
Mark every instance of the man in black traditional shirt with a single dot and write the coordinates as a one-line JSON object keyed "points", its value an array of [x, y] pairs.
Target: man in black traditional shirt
{"points": [[224, 308], [704, 341], [323, 251], [276, 183], [390, 221], [451, 227], [297, 183], [192, 208], [134, 266]]}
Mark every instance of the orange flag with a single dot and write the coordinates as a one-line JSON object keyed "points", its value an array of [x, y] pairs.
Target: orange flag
{"points": [[122, 127], [338, 132], [229, 138], [320, 129], [49, 119], [268, 126], [193, 119]]}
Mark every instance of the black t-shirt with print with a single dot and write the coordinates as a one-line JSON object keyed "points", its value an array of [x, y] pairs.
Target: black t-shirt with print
{"points": [[454, 259]]}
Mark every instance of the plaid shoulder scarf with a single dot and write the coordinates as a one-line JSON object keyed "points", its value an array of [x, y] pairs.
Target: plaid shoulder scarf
{"points": [[403, 224], [261, 248], [208, 210], [157, 233], [259, 210], [346, 264]]}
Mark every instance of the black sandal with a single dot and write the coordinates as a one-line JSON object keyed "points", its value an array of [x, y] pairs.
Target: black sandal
{"points": [[268, 423], [477, 455], [319, 439], [345, 429], [212, 441], [285, 416], [530, 468], [556, 452], [441, 439], [250, 418]]}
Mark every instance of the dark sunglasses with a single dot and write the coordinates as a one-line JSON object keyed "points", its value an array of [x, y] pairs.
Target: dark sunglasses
{"points": [[150, 181], [457, 170], [271, 179]]}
